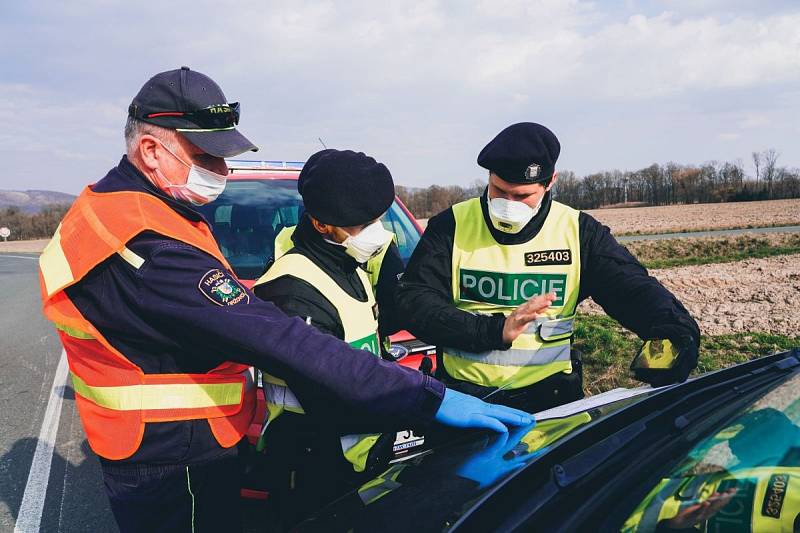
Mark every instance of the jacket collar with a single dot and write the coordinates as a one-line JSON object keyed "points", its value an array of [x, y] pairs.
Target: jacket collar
{"points": [[126, 177], [310, 241]]}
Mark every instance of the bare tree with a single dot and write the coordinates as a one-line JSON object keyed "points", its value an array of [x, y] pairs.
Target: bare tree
{"points": [[757, 164], [770, 158]]}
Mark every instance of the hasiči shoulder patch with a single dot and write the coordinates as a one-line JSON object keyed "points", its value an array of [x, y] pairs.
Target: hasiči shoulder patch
{"points": [[222, 288]]}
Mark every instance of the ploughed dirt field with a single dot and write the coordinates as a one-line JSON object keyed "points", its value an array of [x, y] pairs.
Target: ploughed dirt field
{"points": [[760, 295], [698, 217]]}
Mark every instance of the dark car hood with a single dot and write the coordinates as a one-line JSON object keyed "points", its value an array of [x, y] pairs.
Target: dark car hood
{"points": [[431, 490], [436, 490]]}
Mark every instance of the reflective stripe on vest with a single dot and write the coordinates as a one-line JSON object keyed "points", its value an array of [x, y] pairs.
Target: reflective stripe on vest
{"points": [[114, 397], [490, 278], [360, 327], [162, 396], [516, 357]]}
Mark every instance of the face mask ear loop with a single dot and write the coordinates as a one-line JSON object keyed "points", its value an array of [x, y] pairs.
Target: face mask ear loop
{"points": [[165, 147]]}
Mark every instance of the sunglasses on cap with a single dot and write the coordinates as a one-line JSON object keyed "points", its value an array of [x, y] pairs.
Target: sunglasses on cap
{"points": [[215, 117]]}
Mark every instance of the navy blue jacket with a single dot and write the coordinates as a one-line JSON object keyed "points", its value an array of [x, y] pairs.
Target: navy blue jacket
{"points": [[160, 318]]}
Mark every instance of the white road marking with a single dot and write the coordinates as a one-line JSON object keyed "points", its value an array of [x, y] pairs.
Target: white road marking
{"points": [[30, 510], [36, 258]]}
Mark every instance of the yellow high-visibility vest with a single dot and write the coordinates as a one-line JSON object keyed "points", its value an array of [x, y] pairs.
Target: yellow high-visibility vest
{"points": [[360, 325], [489, 277]]}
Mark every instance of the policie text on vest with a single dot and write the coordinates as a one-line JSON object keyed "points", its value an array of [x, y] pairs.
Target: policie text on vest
{"points": [[510, 289]]}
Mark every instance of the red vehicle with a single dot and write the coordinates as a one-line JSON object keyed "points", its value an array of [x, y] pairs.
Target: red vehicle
{"points": [[259, 201]]}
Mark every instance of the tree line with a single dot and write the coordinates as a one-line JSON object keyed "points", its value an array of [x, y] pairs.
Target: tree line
{"points": [[667, 184], [26, 226]]}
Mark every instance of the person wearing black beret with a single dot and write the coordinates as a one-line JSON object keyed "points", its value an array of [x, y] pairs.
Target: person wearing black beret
{"points": [[495, 282], [324, 278]]}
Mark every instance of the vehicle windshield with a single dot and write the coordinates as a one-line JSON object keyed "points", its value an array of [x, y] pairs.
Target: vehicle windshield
{"points": [[248, 216], [745, 477]]}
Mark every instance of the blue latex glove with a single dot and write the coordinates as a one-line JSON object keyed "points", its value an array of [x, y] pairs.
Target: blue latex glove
{"points": [[504, 455], [465, 411]]}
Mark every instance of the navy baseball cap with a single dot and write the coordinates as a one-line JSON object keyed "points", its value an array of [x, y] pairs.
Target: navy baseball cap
{"points": [[522, 153], [192, 104]]}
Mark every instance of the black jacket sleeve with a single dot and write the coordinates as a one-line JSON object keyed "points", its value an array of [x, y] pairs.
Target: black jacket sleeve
{"points": [[425, 295], [616, 281], [389, 319]]}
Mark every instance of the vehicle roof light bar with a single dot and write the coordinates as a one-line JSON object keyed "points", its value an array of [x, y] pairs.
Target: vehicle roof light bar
{"points": [[243, 164]]}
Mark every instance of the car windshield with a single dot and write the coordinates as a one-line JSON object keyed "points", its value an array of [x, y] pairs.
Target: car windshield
{"points": [[744, 477], [248, 216]]}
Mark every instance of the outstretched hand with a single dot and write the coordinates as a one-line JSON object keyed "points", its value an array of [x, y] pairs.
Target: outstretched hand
{"points": [[517, 322], [465, 411]]}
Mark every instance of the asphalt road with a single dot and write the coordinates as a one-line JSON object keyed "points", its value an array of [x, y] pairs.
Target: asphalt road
{"points": [[71, 497], [43, 487]]}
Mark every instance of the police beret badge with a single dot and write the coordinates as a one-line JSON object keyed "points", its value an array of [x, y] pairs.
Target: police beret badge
{"points": [[532, 172], [222, 288]]}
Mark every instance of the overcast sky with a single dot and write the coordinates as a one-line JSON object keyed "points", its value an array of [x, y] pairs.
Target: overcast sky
{"points": [[421, 86]]}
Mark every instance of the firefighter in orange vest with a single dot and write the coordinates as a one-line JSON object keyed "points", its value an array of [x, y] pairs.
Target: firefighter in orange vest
{"points": [[160, 335]]}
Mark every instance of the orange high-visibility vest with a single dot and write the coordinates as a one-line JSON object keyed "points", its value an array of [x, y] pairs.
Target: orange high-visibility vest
{"points": [[115, 398]]}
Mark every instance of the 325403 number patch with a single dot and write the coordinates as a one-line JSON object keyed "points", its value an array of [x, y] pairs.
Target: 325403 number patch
{"points": [[548, 257]]}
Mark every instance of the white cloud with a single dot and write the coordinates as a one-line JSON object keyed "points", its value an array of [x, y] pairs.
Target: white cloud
{"points": [[425, 83], [754, 120]]}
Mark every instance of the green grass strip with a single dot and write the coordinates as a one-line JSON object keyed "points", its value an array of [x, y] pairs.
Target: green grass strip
{"points": [[706, 250], [729, 258], [608, 350]]}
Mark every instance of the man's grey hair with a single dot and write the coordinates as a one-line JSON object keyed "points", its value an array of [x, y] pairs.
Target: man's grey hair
{"points": [[135, 128]]}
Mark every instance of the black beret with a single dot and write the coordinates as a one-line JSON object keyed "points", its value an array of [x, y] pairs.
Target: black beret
{"points": [[522, 153], [345, 188]]}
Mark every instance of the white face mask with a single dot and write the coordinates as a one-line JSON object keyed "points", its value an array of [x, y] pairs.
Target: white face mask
{"points": [[369, 242], [202, 185], [509, 216]]}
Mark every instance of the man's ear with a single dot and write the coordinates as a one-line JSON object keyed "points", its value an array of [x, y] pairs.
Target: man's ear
{"points": [[552, 180], [324, 229], [147, 151]]}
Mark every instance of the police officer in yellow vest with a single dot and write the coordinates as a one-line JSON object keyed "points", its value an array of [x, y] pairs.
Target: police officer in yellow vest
{"points": [[323, 280], [480, 261]]}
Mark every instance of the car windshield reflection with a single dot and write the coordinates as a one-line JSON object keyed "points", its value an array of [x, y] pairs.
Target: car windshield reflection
{"points": [[745, 477]]}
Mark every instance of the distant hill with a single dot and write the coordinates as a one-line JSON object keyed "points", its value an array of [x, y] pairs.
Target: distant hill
{"points": [[33, 201]]}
